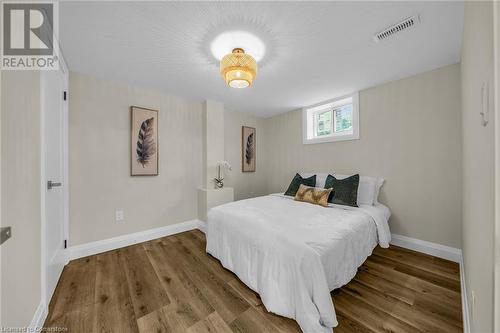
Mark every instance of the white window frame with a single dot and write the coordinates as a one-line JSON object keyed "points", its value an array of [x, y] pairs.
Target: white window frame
{"points": [[308, 123]]}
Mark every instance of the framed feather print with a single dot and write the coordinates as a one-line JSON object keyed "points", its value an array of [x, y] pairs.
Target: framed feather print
{"points": [[144, 139], [248, 149]]}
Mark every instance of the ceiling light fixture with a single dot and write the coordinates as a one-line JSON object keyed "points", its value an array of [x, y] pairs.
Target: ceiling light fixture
{"points": [[238, 68]]}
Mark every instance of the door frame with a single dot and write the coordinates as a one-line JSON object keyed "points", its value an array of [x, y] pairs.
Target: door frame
{"points": [[45, 299], [496, 94]]}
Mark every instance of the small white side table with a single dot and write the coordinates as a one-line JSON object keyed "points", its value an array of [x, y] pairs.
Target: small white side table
{"points": [[208, 198]]}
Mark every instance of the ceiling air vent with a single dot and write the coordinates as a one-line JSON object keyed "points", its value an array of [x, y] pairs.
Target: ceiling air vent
{"points": [[398, 27]]}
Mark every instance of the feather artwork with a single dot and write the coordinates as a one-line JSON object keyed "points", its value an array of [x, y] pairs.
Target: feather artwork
{"points": [[249, 150], [146, 145]]}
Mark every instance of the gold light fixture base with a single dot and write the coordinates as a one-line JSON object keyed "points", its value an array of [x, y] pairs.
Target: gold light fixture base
{"points": [[238, 68]]}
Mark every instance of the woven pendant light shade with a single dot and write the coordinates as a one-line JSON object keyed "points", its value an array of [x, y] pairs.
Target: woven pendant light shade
{"points": [[238, 69]]}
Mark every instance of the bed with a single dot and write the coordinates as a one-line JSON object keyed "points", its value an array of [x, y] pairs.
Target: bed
{"points": [[294, 253]]}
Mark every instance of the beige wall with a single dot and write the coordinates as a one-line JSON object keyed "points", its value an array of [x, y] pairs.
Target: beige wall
{"points": [[410, 135], [100, 181], [20, 197], [478, 164], [245, 184], [213, 140]]}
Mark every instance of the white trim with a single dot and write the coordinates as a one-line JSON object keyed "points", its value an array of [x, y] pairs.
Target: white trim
{"points": [[433, 249], [1, 294], [307, 114], [202, 226], [444, 252], [463, 293], [43, 186], [87, 249], [65, 148], [496, 112], [38, 318]]}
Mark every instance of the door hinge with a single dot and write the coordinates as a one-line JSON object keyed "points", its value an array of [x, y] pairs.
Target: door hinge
{"points": [[65, 95], [65, 243]]}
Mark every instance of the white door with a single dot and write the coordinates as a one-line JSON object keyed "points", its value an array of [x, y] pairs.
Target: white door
{"points": [[54, 134]]}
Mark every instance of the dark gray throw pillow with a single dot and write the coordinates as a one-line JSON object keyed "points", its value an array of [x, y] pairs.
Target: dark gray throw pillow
{"points": [[296, 181], [345, 190]]}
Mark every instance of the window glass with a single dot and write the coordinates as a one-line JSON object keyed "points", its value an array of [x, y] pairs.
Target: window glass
{"points": [[343, 118], [324, 123]]}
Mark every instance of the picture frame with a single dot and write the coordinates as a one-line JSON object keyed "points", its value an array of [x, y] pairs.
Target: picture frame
{"points": [[248, 149], [144, 146]]}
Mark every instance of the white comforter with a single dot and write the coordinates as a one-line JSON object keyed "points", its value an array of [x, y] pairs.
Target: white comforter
{"points": [[293, 253]]}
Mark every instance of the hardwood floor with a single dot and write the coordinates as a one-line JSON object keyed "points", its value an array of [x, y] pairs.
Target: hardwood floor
{"points": [[172, 285]]}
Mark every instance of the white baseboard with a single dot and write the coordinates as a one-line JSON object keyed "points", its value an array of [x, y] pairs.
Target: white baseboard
{"points": [[433, 249], [202, 226], [87, 249], [38, 318], [444, 252]]}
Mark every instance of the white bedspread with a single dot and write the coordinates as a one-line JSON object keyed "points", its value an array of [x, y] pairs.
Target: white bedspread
{"points": [[293, 253]]}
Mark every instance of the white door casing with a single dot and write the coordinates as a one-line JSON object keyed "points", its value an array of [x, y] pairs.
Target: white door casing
{"points": [[496, 245]]}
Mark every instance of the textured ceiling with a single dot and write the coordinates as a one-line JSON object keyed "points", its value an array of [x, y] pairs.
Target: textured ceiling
{"points": [[314, 50]]}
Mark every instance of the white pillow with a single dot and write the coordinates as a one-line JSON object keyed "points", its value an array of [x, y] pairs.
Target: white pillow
{"points": [[380, 182], [320, 177], [367, 190]]}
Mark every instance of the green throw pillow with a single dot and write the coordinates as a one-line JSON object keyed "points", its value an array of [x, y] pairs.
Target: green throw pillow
{"points": [[345, 190], [296, 181]]}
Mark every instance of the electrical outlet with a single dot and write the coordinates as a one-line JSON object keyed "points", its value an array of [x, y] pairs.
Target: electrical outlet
{"points": [[119, 216]]}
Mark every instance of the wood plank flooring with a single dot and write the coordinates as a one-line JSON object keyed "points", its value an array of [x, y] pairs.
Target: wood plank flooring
{"points": [[172, 285]]}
